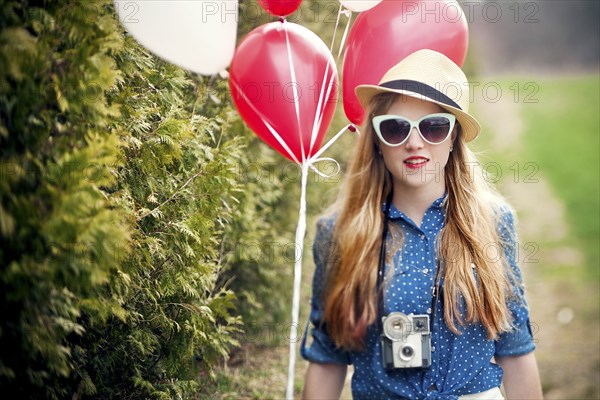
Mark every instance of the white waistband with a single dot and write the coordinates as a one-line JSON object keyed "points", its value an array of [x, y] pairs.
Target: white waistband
{"points": [[492, 394]]}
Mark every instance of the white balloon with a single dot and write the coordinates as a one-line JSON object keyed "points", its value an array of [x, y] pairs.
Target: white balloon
{"points": [[359, 5], [198, 35]]}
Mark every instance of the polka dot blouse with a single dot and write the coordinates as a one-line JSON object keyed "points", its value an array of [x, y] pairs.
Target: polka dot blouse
{"points": [[460, 364]]}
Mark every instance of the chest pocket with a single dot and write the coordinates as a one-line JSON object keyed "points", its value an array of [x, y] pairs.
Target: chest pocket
{"points": [[413, 259], [399, 267]]}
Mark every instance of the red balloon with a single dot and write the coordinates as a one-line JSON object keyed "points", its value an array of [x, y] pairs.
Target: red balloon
{"points": [[384, 35], [280, 8], [284, 83]]}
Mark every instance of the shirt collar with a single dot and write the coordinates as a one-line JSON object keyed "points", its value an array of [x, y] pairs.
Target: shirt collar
{"points": [[394, 213]]}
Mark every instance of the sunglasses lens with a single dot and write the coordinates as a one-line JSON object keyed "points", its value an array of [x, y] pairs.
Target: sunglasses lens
{"points": [[394, 130], [435, 129]]}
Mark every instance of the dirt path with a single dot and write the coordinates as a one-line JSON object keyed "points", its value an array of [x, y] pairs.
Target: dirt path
{"points": [[564, 313]]}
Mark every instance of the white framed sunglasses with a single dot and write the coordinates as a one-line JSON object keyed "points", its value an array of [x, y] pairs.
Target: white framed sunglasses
{"points": [[394, 130]]}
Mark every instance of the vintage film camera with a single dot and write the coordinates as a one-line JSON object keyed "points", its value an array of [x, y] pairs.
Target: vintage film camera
{"points": [[406, 341]]}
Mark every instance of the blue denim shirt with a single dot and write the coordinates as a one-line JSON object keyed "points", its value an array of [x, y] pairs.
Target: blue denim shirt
{"points": [[461, 364]]}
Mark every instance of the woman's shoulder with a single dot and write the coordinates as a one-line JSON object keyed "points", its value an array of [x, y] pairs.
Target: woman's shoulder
{"points": [[505, 218], [506, 225], [324, 238], [326, 225], [502, 212]]}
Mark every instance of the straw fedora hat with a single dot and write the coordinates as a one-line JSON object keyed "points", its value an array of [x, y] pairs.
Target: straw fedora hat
{"points": [[430, 76]]}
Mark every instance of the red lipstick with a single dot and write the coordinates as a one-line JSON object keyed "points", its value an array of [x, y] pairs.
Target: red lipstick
{"points": [[415, 162]]}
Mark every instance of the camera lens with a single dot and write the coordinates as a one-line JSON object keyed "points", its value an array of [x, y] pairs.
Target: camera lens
{"points": [[396, 326], [407, 352]]}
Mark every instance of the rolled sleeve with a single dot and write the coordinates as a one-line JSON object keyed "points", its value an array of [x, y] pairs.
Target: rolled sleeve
{"points": [[317, 346], [519, 340], [321, 349]]}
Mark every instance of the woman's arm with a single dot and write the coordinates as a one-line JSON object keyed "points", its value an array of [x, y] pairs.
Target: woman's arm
{"points": [[521, 377], [324, 381]]}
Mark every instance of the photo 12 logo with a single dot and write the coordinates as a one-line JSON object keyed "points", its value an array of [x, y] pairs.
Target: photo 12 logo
{"points": [[472, 11], [492, 91]]}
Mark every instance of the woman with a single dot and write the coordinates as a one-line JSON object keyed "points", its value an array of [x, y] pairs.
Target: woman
{"points": [[437, 309]]}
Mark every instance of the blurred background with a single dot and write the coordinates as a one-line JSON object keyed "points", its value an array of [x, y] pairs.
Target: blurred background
{"points": [[146, 234], [546, 140]]}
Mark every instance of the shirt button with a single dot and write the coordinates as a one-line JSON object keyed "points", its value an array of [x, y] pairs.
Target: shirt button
{"points": [[423, 236], [429, 310], [425, 270], [433, 349]]}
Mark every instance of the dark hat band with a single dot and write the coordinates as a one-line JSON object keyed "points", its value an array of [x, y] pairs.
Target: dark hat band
{"points": [[422, 89]]}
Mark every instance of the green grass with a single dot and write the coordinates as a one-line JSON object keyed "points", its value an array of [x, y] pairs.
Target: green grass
{"points": [[560, 142], [562, 134], [557, 151]]}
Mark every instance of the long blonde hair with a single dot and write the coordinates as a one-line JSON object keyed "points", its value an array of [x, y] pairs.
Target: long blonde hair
{"points": [[471, 225]]}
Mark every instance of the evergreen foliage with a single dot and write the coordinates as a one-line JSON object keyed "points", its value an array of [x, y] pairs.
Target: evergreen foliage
{"points": [[134, 206]]}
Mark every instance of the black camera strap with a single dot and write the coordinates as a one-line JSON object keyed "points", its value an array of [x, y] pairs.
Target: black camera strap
{"points": [[381, 265], [381, 269]]}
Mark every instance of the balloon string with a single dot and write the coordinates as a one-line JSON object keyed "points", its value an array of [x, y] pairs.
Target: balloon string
{"points": [[326, 85], [348, 14], [345, 35], [321, 104], [331, 141], [299, 249], [337, 22], [322, 174]]}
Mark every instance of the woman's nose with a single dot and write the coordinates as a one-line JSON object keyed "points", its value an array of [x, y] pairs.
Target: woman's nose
{"points": [[415, 141]]}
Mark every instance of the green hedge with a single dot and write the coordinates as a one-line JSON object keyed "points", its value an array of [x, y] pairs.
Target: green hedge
{"points": [[132, 206]]}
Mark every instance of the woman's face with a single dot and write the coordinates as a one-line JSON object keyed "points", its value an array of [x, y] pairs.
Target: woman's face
{"points": [[416, 164]]}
